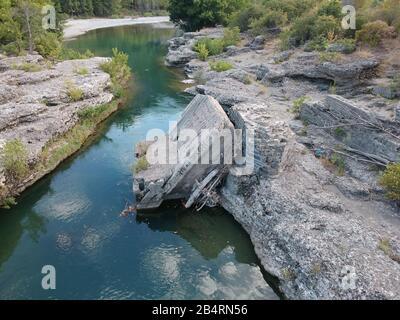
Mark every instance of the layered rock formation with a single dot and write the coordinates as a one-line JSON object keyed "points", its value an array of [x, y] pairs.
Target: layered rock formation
{"points": [[36, 105], [314, 209]]}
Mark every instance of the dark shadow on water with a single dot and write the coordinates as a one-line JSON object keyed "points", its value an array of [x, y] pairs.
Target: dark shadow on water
{"points": [[209, 231]]}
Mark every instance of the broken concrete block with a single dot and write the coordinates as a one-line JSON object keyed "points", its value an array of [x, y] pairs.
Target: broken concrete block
{"points": [[177, 177]]}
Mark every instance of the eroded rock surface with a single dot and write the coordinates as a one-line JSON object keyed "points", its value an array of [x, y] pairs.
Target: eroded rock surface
{"points": [[35, 105], [325, 231]]}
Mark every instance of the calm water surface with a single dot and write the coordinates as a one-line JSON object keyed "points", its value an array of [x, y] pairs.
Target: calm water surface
{"points": [[70, 219]]}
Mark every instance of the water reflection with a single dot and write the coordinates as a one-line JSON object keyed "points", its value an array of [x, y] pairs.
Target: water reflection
{"points": [[70, 219], [205, 231]]}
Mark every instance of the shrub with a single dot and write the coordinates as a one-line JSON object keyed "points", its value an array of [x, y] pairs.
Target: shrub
{"points": [[8, 202], [220, 65], [71, 54], [293, 8], [324, 25], [349, 45], [301, 29], [193, 15], [141, 164], [329, 57], [297, 104], [243, 18], [391, 181], [269, 20], [318, 44], [27, 67], [202, 51], [340, 164], [13, 48], [14, 159], [331, 8], [48, 45], [74, 93], [117, 67], [388, 11], [82, 71], [332, 88], [231, 36], [214, 46], [372, 33], [92, 112]]}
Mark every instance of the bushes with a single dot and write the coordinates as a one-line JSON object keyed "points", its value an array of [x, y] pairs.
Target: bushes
{"points": [[391, 181], [231, 36], [48, 45], [297, 104], [244, 17], [202, 51], [220, 65], [141, 164], [70, 54], [388, 11], [324, 25], [348, 45], [213, 46], [117, 67], [82, 71], [92, 112], [372, 33], [27, 67], [331, 8], [339, 163], [73, 92], [269, 20], [329, 57], [207, 46], [14, 159], [193, 15], [317, 44]]}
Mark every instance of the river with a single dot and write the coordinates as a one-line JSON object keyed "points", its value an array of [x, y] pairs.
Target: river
{"points": [[70, 219]]}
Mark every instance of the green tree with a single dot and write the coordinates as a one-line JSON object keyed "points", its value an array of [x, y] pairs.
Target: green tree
{"points": [[196, 14], [10, 34]]}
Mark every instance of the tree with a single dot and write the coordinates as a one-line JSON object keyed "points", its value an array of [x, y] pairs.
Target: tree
{"points": [[10, 34], [195, 14], [27, 10]]}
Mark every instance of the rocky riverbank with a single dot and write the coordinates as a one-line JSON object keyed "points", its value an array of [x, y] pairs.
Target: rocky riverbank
{"points": [[325, 126], [47, 111]]}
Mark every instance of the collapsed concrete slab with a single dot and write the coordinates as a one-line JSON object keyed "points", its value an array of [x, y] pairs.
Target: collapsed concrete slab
{"points": [[188, 162]]}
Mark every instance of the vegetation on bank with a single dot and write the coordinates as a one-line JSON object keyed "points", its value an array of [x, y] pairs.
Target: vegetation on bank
{"points": [[14, 154], [220, 65], [206, 47], [141, 164], [297, 21], [14, 159], [391, 181]]}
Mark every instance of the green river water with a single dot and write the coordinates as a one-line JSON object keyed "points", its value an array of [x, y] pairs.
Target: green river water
{"points": [[70, 219]]}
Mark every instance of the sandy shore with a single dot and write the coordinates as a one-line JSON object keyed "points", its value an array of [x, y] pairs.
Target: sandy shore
{"points": [[76, 27]]}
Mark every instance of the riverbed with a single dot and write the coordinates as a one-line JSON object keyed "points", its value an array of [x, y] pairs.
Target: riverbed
{"points": [[71, 218]]}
